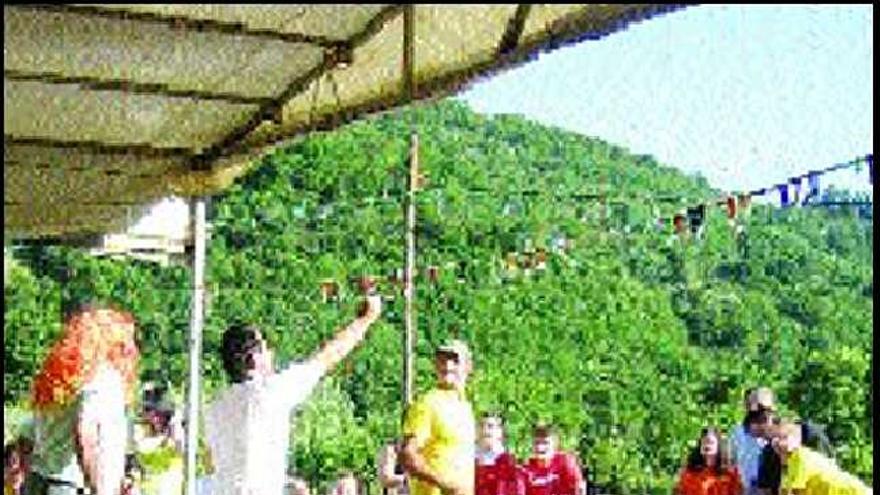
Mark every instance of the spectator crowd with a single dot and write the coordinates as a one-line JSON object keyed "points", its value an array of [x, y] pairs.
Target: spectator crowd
{"points": [[81, 441]]}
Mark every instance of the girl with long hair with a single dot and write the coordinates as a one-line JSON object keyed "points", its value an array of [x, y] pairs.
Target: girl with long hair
{"points": [[709, 470]]}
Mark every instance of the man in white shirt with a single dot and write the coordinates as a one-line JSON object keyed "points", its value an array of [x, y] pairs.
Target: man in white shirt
{"points": [[248, 425]]}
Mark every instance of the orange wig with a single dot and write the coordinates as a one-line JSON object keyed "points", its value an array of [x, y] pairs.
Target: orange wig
{"points": [[91, 337]]}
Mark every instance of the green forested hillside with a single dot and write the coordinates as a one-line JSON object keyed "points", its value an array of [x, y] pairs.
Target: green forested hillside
{"points": [[630, 340]]}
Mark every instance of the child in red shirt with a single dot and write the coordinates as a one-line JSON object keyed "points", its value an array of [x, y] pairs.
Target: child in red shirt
{"points": [[496, 470], [551, 472]]}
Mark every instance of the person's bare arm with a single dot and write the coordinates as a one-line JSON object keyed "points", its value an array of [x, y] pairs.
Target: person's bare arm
{"points": [[349, 337], [416, 465], [88, 449]]}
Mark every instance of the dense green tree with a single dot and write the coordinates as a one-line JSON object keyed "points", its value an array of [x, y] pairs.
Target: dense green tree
{"points": [[629, 338]]}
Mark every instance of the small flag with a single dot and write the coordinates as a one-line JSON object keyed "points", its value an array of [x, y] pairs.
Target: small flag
{"points": [[796, 190], [695, 216], [783, 194], [678, 222], [744, 205], [813, 185]]}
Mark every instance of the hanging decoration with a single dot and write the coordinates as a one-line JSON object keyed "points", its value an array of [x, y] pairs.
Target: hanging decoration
{"points": [[695, 215], [783, 195], [813, 185], [679, 222], [796, 190]]}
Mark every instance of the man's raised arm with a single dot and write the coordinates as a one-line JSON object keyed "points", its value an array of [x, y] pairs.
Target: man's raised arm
{"points": [[334, 351]]}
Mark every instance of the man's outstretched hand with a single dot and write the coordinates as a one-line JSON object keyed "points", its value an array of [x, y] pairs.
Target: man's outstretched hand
{"points": [[371, 309]]}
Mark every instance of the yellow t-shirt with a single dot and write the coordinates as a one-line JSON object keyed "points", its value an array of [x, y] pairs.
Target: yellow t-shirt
{"points": [[816, 474], [442, 424]]}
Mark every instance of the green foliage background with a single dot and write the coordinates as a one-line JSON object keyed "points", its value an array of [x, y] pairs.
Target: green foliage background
{"points": [[630, 342]]}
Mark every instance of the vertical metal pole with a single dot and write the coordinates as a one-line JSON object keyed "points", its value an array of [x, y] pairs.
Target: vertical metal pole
{"points": [[195, 343], [408, 86], [410, 267]]}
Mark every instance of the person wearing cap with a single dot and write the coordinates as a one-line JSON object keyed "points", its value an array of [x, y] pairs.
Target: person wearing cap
{"points": [[550, 471], [439, 431], [248, 425], [748, 442], [497, 472]]}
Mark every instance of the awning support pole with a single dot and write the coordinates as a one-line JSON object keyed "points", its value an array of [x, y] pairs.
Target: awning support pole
{"points": [[195, 342], [409, 290]]}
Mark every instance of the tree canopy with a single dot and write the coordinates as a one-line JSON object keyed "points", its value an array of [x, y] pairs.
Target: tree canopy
{"points": [[628, 337]]}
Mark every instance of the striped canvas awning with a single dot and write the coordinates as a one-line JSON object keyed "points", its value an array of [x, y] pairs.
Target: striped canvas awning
{"points": [[109, 108]]}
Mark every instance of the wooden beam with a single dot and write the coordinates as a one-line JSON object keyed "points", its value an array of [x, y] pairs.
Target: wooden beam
{"points": [[136, 149], [273, 108], [183, 22], [512, 34], [564, 31], [133, 87]]}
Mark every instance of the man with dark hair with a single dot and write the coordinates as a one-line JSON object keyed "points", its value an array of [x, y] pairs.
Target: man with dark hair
{"points": [[248, 425], [550, 471]]}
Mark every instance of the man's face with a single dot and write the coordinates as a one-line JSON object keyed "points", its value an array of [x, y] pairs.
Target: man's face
{"points": [[155, 419], [263, 358], [491, 432], [451, 373], [543, 447], [761, 429]]}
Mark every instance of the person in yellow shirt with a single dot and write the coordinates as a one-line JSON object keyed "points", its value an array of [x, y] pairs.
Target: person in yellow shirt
{"points": [[439, 433], [807, 472]]}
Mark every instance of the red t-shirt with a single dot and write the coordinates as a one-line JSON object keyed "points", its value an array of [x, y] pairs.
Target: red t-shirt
{"points": [[706, 482], [499, 478], [561, 476]]}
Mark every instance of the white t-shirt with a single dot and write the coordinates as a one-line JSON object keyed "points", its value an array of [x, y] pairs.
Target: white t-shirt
{"points": [[248, 430]]}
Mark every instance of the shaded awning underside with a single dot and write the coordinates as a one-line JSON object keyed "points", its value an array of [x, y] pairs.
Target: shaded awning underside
{"points": [[109, 108]]}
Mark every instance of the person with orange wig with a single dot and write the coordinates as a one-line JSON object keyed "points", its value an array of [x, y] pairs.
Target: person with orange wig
{"points": [[79, 400]]}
